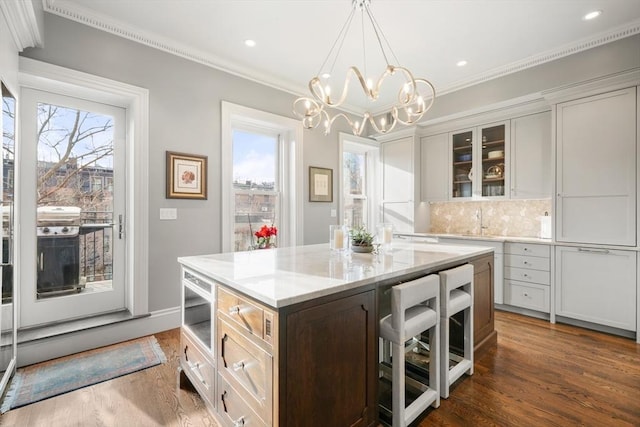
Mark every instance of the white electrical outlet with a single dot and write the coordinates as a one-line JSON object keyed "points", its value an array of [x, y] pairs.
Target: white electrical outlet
{"points": [[168, 213]]}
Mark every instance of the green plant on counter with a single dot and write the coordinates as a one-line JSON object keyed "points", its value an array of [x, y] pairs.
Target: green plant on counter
{"points": [[360, 236]]}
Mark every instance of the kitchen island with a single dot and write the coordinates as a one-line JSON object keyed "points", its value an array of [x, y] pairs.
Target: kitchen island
{"points": [[289, 336]]}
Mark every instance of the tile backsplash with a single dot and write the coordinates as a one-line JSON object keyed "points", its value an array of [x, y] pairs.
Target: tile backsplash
{"points": [[516, 218]]}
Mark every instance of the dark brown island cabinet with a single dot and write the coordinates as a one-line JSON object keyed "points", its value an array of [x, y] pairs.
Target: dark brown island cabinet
{"points": [[313, 363]]}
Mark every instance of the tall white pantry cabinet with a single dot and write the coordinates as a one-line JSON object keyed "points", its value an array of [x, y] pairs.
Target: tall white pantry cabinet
{"points": [[596, 209]]}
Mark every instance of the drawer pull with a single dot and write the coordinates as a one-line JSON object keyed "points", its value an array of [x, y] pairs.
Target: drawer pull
{"points": [[238, 366], [525, 275], [594, 251], [525, 262], [525, 294], [239, 422], [195, 368], [234, 310], [525, 249]]}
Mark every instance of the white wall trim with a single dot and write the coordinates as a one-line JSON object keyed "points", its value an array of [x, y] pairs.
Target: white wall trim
{"points": [[135, 100], [233, 114], [88, 339], [21, 20]]}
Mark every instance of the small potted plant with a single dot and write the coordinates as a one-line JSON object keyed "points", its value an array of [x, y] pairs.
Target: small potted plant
{"points": [[361, 239]]}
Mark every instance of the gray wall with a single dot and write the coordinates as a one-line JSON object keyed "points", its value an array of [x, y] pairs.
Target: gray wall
{"points": [[184, 115]]}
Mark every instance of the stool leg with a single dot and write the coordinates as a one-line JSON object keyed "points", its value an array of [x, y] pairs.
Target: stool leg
{"points": [[444, 357], [398, 385], [434, 362], [468, 337]]}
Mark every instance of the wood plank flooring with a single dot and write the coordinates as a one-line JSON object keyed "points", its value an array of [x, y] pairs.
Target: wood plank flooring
{"points": [[539, 375]]}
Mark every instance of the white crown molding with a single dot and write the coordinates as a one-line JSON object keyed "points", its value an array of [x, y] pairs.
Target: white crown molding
{"points": [[101, 22], [20, 16]]}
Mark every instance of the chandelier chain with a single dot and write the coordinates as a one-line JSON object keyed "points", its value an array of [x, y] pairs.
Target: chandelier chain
{"points": [[342, 35], [376, 26]]}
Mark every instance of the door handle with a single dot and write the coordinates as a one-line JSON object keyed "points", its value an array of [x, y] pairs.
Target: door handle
{"points": [[120, 226]]}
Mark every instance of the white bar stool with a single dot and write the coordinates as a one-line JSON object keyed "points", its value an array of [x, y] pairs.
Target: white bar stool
{"points": [[456, 294], [415, 308]]}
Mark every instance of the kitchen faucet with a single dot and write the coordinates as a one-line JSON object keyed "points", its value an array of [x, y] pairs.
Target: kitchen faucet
{"points": [[479, 219]]}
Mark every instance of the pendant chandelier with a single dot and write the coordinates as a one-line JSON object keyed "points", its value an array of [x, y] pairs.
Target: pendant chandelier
{"points": [[415, 95]]}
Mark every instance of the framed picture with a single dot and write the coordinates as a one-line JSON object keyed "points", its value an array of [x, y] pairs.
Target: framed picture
{"points": [[186, 176], [320, 184]]}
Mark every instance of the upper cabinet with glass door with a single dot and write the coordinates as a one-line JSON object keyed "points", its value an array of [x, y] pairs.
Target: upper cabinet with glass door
{"points": [[493, 150], [479, 157], [462, 160]]}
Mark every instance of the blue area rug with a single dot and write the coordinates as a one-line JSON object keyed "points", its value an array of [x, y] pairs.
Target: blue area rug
{"points": [[48, 379]]}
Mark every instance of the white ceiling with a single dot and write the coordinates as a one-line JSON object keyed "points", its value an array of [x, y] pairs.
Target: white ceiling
{"points": [[429, 37]]}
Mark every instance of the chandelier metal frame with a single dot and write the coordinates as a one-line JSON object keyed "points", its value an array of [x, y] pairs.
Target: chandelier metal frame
{"points": [[409, 107]]}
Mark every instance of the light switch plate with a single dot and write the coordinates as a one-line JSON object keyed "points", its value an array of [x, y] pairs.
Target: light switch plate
{"points": [[333, 213], [168, 213]]}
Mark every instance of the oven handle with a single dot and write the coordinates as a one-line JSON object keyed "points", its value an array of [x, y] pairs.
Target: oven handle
{"points": [[9, 262]]}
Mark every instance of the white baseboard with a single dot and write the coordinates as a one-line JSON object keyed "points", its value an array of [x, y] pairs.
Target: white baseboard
{"points": [[62, 345]]}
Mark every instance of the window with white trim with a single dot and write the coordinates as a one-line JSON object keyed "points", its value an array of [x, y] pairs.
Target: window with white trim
{"points": [[261, 177]]}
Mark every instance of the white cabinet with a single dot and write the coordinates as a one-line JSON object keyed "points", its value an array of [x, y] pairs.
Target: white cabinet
{"points": [[531, 172], [479, 161], [398, 187], [596, 169], [527, 277], [434, 171], [597, 285]]}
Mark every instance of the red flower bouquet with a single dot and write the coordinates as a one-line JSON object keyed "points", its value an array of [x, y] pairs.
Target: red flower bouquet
{"points": [[264, 236]]}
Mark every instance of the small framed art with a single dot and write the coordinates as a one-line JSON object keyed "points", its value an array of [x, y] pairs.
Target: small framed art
{"points": [[320, 184], [186, 176]]}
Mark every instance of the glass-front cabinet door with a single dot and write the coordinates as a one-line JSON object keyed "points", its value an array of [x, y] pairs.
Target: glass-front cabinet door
{"points": [[462, 161], [479, 161], [493, 155]]}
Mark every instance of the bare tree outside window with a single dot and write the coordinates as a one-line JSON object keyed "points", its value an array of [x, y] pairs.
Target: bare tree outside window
{"points": [[75, 157]]}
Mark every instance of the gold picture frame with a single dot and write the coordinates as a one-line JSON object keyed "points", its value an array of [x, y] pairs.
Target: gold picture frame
{"points": [[186, 176], [320, 184]]}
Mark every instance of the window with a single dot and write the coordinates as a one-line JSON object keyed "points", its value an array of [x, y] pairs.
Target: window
{"points": [[256, 185], [358, 184], [262, 177]]}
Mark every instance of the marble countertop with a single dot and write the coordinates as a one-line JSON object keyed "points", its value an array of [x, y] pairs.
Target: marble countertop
{"points": [[285, 276]]}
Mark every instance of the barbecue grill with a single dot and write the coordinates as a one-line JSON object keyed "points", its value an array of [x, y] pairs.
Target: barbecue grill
{"points": [[58, 234]]}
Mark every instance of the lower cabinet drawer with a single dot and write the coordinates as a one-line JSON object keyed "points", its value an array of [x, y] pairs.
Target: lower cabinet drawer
{"points": [[247, 367], [527, 295], [527, 275], [232, 409], [198, 368]]}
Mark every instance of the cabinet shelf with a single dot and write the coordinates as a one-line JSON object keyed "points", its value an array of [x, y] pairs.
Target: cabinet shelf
{"points": [[462, 147], [493, 179], [494, 143], [468, 162], [493, 159], [462, 182]]}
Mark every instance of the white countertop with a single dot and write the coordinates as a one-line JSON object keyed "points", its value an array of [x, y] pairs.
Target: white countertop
{"points": [[514, 239], [285, 276]]}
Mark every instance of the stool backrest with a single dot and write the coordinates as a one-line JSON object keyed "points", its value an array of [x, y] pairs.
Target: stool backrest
{"points": [[457, 277], [409, 294]]}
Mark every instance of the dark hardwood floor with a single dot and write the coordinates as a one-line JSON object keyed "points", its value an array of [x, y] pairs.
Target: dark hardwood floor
{"points": [[539, 375]]}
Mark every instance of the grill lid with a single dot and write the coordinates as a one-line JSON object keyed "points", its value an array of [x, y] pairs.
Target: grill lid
{"points": [[58, 215]]}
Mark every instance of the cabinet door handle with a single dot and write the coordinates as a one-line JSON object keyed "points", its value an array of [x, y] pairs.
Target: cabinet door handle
{"points": [[238, 366], [239, 422], [195, 368], [594, 251], [234, 310]]}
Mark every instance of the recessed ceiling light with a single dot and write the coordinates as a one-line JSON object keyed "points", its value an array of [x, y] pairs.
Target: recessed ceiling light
{"points": [[461, 63], [249, 42], [592, 15]]}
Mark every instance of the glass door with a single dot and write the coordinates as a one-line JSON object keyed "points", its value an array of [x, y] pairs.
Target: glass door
{"points": [[462, 160], [73, 211], [7, 313], [493, 161]]}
